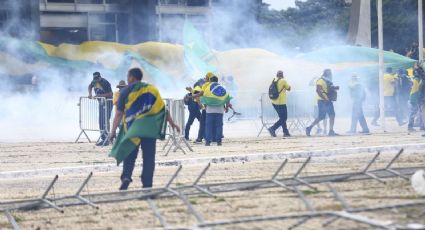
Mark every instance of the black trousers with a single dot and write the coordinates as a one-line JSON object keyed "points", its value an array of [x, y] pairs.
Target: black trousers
{"points": [[193, 114], [148, 147], [201, 132], [357, 116], [105, 110], [282, 112]]}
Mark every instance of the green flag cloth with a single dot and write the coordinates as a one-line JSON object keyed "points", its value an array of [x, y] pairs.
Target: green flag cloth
{"points": [[197, 54], [144, 117]]}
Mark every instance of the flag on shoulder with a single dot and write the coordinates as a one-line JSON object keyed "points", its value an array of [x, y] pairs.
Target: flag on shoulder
{"points": [[144, 116], [215, 95]]}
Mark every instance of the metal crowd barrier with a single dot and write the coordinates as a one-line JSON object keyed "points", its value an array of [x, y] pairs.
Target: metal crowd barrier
{"points": [[299, 112], [175, 140], [94, 115]]}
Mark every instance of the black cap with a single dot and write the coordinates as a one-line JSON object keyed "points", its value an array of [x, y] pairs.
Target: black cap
{"points": [[96, 75]]}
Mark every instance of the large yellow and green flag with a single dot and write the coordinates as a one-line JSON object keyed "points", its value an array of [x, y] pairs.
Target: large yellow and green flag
{"points": [[144, 117], [215, 95]]}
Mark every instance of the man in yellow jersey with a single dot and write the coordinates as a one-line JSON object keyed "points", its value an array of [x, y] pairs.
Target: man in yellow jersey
{"points": [[325, 97], [203, 84], [391, 83], [414, 98], [279, 105], [194, 107]]}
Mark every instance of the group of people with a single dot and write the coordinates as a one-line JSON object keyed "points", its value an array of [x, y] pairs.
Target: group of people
{"points": [[133, 101], [399, 90], [207, 101]]}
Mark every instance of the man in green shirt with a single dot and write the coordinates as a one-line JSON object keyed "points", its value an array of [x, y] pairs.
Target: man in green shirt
{"points": [[414, 98], [358, 95]]}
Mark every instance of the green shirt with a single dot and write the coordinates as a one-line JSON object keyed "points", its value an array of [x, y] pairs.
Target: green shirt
{"points": [[357, 92]]}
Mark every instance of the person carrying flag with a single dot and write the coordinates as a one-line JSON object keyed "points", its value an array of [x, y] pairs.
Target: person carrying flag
{"points": [[217, 101], [143, 115]]}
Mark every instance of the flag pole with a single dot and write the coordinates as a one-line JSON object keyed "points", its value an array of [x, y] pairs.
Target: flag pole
{"points": [[381, 65], [420, 30]]}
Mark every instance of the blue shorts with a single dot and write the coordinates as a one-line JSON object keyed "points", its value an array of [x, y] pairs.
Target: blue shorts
{"points": [[325, 108]]}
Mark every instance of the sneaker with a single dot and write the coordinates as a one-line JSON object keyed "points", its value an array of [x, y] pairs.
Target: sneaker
{"points": [[287, 135], [124, 184], [272, 132], [102, 143], [197, 141], [219, 144], [208, 144], [332, 133], [308, 131], [365, 132]]}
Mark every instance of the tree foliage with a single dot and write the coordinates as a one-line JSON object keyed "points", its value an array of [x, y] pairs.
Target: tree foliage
{"points": [[314, 23]]}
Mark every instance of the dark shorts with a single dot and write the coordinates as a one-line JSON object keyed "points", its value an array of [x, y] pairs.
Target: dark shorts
{"points": [[325, 108]]}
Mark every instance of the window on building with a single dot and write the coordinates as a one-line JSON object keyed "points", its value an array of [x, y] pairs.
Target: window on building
{"points": [[90, 1], [197, 2], [3, 18], [61, 1]]}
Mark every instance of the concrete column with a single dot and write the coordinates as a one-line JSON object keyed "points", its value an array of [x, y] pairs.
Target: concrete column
{"points": [[360, 23]]}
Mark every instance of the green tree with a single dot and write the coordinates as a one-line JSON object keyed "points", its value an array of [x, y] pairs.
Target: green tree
{"points": [[310, 24]]}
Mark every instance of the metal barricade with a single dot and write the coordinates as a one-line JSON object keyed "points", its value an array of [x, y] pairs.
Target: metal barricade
{"points": [[299, 112], [175, 140], [94, 115]]}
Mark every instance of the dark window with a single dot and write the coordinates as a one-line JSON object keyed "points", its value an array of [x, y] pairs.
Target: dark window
{"points": [[3, 17], [197, 2], [61, 1]]}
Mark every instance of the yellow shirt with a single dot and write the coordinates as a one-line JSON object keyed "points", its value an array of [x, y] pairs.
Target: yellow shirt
{"points": [[389, 84], [115, 97], [282, 87], [324, 86]]}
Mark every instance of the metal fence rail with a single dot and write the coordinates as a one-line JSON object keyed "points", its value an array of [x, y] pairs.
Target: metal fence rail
{"points": [[299, 112], [94, 115], [289, 184], [176, 141]]}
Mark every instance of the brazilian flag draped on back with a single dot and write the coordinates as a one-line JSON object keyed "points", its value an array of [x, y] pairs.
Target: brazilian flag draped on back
{"points": [[144, 116], [215, 95]]}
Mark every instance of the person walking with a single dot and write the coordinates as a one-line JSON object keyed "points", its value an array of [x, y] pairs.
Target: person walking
{"points": [[194, 107], [403, 93], [102, 89], [326, 94], [279, 104], [391, 84], [358, 96], [142, 112], [415, 96]]}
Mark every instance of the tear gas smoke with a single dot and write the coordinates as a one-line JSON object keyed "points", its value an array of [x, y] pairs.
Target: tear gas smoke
{"points": [[52, 112]]}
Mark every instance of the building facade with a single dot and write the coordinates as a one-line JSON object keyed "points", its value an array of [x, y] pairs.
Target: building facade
{"points": [[124, 21]]}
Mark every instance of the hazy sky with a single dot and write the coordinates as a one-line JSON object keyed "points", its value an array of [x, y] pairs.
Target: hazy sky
{"points": [[280, 4]]}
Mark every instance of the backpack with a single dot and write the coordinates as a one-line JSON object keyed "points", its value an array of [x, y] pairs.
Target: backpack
{"points": [[274, 91], [187, 100]]}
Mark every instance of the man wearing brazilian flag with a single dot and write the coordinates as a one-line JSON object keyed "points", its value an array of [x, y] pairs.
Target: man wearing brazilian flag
{"points": [[217, 101], [141, 112]]}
